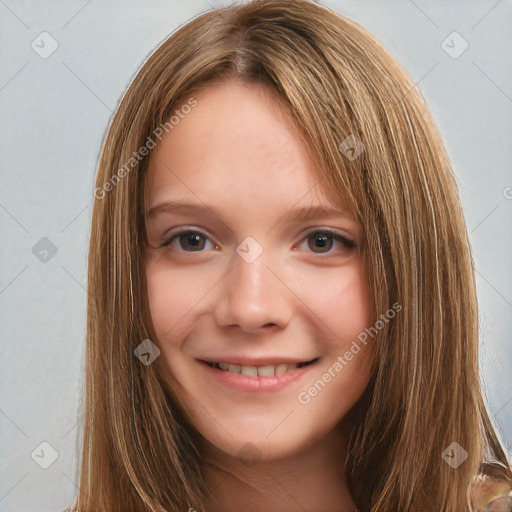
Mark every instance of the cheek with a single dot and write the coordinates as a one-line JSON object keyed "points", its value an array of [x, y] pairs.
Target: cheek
{"points": [[339, 298], [172, 294]]}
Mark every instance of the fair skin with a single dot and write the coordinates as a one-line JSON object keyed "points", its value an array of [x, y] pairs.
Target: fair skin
{"points": [[303, 298]]}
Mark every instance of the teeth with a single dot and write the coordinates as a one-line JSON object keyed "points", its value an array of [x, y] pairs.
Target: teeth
{"points": [[250, 371], [266, 371], [256, 371], [233, 368], [281, 368]]}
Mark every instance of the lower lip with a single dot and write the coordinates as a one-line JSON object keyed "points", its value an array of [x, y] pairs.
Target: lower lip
{"points": [[241, 382]]}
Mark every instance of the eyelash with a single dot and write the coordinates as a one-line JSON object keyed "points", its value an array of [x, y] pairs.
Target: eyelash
{"points": [[344, 241]]}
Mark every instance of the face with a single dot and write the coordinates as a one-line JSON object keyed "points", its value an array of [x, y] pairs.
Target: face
{"points": [[256, 289]]}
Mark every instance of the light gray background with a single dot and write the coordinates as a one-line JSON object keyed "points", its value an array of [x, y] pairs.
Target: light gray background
{"points": [[54, 115]]}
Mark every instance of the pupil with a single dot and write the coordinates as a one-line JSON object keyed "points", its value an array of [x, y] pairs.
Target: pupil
{"points": [[321, 242], [194, 239]]}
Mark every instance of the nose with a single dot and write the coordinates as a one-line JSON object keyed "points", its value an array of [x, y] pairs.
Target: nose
{"points": [[253, 296]]}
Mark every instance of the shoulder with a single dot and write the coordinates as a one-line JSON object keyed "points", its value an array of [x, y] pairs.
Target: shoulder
{"points": [[485, 488]]}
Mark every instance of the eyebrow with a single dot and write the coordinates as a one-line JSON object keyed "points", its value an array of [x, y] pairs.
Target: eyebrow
{"points": [[303, 213]]}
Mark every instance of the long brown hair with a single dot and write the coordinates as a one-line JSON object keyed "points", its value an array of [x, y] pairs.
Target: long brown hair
{"points": [[335, 81]]}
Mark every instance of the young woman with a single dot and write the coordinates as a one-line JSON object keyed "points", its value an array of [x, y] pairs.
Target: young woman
{"points": [[282, 311]]}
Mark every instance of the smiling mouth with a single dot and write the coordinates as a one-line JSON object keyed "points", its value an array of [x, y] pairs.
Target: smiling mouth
{"points": [[258, 371]]}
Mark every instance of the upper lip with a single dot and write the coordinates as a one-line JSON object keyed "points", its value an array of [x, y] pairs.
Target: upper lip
{"points": [[255, 361]]}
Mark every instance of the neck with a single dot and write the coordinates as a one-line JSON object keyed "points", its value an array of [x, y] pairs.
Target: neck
{"points": [[312, 480]]}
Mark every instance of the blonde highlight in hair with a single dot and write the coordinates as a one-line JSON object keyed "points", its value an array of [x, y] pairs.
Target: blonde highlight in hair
{"points": [[333, 80]]}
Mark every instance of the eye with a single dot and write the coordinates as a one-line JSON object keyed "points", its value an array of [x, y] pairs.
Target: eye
{"points": [[324, 240], [320, 241], [189, 240]]}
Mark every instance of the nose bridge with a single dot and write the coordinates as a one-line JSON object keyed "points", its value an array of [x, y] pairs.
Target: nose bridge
{"points": [[253, 295], [249, 272], [250, 276]]}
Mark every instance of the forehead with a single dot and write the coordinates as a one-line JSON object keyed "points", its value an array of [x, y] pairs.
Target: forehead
{"points": [[236, 144]]}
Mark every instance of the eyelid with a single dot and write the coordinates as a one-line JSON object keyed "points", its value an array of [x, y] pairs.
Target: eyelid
{"points": [[330, 231], [171, 233]]}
